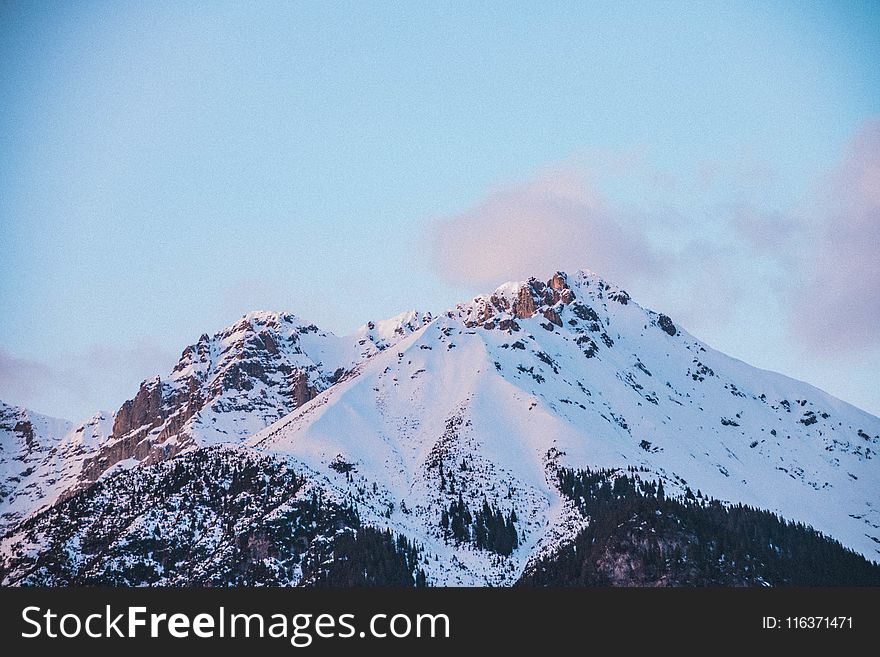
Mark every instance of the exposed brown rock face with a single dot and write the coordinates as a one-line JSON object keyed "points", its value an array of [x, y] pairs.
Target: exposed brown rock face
{"points": [[553, 316], [555, 291], [26, 429], [532, 297], [486, 310], [559, 281], [301, 391], [558, 290], [134, 428], [144, 410], [524, 306], [536, 294], [132, 446]]}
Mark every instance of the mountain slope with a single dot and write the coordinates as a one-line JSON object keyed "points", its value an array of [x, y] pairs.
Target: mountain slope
{"points": [[572, 372], [211, 517], [639, 536], [231, 516], [226, 387]]}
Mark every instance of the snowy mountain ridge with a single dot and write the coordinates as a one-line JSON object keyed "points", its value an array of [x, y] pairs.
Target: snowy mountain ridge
{"points": [[418, 420], [223, 389]]}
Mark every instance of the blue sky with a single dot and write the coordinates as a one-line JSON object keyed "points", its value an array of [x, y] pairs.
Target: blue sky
{"points": [[165, 167]]}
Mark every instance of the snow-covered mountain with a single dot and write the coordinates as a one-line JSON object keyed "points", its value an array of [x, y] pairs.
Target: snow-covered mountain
{"points": [[573, 373], [228, 386], [39, 458], [453, 431], [223, 389]]}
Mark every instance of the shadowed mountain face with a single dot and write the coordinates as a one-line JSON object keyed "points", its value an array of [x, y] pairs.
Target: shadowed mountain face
{"points": [[451, 431], [211, 517], [637, 536]]}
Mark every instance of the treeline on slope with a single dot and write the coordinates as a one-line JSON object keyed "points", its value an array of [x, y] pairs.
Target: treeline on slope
{"points": [[638, 536], [368, 557], [487, 528], [213, 517]]}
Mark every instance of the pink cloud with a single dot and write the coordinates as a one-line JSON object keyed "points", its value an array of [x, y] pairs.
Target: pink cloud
{"points": [[555, 220], [837, 298], [723, 253]]}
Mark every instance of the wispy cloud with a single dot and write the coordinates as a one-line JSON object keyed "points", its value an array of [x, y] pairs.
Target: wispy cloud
{"points": [[24, 379], [557, 219], [77, 384], [837, 301]]}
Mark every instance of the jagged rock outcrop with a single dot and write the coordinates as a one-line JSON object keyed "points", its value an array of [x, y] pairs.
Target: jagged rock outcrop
{"points": [[666, 324], [550, 300], [223, 388], [524, 306]]}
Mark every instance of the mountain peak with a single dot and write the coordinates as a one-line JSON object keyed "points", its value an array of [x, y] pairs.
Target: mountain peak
{"points": [[519, 300], [267, 318]]}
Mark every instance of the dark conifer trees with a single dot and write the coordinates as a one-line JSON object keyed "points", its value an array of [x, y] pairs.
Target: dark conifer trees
{"points": [[639, 536], [488, 528]]}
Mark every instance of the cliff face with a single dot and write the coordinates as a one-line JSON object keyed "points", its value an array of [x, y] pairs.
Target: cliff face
{"points": [[143, 411]]}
